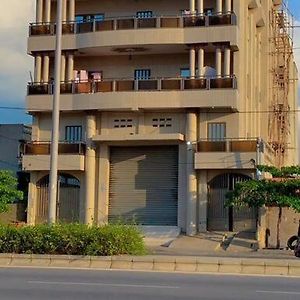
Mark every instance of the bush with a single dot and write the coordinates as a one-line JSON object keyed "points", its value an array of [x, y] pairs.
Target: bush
{"points": [[72, 239]]}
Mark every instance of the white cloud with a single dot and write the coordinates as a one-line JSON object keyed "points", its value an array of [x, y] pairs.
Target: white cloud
{"points": [[15, 16]]}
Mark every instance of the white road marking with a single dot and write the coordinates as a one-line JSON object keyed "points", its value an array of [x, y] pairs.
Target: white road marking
{"points": [[105, 284], [278, 292]]}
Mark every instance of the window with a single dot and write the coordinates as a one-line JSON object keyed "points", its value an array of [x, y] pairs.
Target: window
{"points": [[216, 131], [144, 14], [185, 73], [162, 122], [141, 74], [123, 123], [89, 18], [73, 134]]}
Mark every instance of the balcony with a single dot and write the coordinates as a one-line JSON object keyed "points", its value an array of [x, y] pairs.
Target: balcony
{"points": [[128, 94], [128, 84], [36, 156], [130, 31], [124, 23], [232, 154]]}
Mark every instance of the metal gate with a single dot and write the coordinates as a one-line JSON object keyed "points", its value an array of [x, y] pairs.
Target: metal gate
{"points": [[67, 202], [223, 218], [144, 185]]}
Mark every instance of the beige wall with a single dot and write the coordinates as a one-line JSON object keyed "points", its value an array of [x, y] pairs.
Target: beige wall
{"points": [[164, 65]]}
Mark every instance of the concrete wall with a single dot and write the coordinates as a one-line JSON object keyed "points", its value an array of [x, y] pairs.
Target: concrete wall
{"points": [[16, 213], [268, 227]]}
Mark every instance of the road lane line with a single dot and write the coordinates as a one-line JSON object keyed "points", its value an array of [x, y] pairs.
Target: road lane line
{"points": [[278, 292], [105, 284]]}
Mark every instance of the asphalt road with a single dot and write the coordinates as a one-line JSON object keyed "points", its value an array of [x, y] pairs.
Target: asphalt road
{"points": [[44, 284]]}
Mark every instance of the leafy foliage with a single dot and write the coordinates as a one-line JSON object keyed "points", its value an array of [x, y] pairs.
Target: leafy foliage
{"points": [[254, 193], [8, 190], [283, 172], [71, 239]]}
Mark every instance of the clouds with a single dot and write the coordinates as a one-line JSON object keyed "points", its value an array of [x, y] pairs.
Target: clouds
{"points": [[15, 16]]}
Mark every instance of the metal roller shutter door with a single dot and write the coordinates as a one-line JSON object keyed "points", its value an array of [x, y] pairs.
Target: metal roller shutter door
{"points": [[144, 185]]}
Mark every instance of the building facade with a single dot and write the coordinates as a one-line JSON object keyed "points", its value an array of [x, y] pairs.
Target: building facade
{"points": [[165, 105]]}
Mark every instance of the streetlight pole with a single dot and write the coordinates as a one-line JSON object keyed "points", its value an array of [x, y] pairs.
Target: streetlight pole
{"points": [[55, 118]]}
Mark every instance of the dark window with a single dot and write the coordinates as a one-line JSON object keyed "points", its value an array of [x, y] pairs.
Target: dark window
{"points": [[144, 14], [89, 18], [162, 122], [73, 134], [142, 74], [123, 123]]}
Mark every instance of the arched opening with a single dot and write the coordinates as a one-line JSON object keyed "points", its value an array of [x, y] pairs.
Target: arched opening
{"points": [[223, 218], [68, 198]]}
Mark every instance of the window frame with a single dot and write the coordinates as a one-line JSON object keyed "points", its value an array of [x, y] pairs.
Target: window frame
{"points": [[209, 124], [70, 131]]}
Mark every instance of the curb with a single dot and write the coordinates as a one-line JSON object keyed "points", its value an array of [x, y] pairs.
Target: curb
{"points": [[247, 266]]}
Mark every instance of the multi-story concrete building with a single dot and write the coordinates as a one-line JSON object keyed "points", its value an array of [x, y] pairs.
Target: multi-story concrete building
{"points": [[164, 106]]}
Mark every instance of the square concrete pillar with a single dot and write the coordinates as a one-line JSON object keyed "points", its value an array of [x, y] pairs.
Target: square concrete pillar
{"points": [[203, 200]]}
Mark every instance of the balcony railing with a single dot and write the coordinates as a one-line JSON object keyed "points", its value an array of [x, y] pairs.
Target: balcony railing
{"points": [[43, 148], [229, 145], [126, 85], [123, 23]]}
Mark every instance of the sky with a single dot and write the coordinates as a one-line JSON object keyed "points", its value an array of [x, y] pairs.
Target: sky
{"points": [[16, 65]]}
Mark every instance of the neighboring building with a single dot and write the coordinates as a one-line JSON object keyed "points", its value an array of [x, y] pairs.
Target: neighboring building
{"points": [[165, 105], [12, 139]]}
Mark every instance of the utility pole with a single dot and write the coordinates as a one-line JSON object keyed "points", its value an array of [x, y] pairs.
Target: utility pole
{"points": [[55, 118]]}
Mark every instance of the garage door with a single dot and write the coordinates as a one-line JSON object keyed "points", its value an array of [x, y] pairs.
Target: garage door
{"points": [[143, 185]]}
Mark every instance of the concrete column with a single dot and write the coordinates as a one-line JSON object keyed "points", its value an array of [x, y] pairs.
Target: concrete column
{"points": [[203, 201], [90, 170], [70, 67], [38, 68], [64, 10], [103, 187], [228, 7], [47, 11], [200, 7], [200, 62], [219, 7], [71, 12], [192, 6], [46, 68], [39, 11], [192, 62], [227, 53], [63, 68], [219, 62], [191, 197], [32, 195]]}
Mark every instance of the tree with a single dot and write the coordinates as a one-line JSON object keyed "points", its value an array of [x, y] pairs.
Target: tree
{"points": [[8, 190], [254, 193]]}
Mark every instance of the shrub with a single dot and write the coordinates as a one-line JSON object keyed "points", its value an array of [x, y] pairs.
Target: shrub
{"points": [[72, 239]]}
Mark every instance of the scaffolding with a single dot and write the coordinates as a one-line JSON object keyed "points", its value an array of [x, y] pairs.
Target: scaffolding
{"points": [[281, 55]]}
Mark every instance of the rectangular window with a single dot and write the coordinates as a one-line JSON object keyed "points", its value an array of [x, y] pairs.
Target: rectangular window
{"points": [[73, 134], [216, 131], [144, 14], [123, 123], [89, 18], [185, 73], [141, 74], [161, 122]]}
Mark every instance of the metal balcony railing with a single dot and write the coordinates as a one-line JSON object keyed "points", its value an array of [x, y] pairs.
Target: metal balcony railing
{"points": [[43, 148], [123, 23], [126, 85]]}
